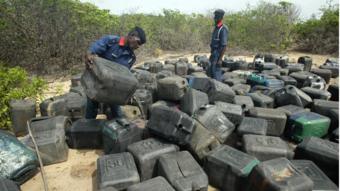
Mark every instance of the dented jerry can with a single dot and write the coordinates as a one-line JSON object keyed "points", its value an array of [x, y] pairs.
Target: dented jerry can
{"points": [[172, 88], [277, 175], [146, 154], [252, 125], [182, 172], [193, 100], [155, 184], [21, 111]]}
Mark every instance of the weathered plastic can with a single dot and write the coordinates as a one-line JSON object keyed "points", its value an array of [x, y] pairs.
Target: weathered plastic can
{"points": [[261, 100], [171, 124], [146, 153], [316, 93], [172, 88], [155, 184], [276, 119], [85, 134], [228, 168], [252, 125], [116, 170], [182, 172], [232, 111], [277, 175], [266, 147], [215, 121], [193, 100], [245, 102], [21, 111], [118, 134], [320, 180], [49, 134]]}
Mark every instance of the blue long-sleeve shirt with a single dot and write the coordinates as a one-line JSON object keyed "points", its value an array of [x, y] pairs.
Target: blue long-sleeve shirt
{"points": [[112, 47]]}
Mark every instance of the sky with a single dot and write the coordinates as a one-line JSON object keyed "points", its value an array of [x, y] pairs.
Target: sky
{"points": [[307, 7]]}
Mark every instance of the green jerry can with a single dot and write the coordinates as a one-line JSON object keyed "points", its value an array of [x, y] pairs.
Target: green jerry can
{"points": [[255, 79], [307, 124]]}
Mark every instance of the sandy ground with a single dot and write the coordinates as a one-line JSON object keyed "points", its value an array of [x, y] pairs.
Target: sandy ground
{"points": [[78, 173]]}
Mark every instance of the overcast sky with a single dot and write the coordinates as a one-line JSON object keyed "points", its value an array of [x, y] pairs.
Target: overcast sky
{"points": [[307, 7]]}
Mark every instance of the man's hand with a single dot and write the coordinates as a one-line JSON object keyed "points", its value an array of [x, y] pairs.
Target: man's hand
{"points": [[89, 59]]}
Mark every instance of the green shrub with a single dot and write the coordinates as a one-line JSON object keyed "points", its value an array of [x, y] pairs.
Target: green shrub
{"points": [[15, 84]]}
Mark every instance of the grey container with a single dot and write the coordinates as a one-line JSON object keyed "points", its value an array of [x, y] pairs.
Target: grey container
{"points": [[200, 83], [118, 134], [171, 124], [105, 78], [244, 101], [220, 92], [334, 136], [294, 67], [291, 109], [300, 77], [21, 111], [323, 106], [320, 180], [252, 125], [155, 184], [75, 105], [146, 154], [306, 61], [49, 134], [288, 80], [182, 172], [278, 174], [316, 93], [155, 67], [145, 99], [324, 153], [232, 111], [241, 89], [53, 107], [333, 114], [193, 100], [266, 147], [75, 80], [146, 80], [116, 170], [275, 118], [172, 88], [324, 73], [261, 100], [334, 90], [164, 73], [215, 121], [8, 185], [85, 134], [181, 68], [333, 68], [315, 81], [292, 95], [202, 142], [169, 67], [228, 168]]}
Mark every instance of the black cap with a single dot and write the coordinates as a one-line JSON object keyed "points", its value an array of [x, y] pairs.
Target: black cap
{"points": [[140, 33], [219, 13]]}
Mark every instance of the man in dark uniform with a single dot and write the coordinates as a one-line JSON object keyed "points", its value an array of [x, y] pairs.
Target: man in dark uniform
{"points": [[119, 49], [218, 46]]}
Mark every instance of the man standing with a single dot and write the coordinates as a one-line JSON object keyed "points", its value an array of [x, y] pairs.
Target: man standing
{"points": [[218, 46], [119, 49]]}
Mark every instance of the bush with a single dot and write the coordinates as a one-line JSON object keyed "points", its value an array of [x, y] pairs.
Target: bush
{"points": [[15, 84], [319, 35]]}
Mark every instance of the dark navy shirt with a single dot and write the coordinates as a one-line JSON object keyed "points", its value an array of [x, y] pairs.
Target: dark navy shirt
{"points": [[219, 38], [112, 48]]}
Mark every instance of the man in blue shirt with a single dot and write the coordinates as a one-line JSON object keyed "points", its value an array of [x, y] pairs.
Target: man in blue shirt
{"points": [[218, 46], [119, 49]]}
